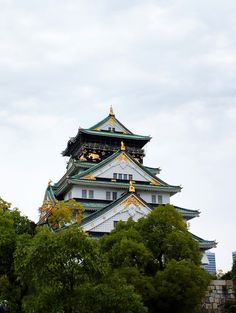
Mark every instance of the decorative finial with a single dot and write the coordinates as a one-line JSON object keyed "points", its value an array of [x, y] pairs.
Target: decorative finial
{"points": [[131, 186], [122, 146], [50, 182], [111, 111]]}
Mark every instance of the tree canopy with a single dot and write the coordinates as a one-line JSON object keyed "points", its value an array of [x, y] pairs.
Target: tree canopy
{"points": [[152, 265], [60, 213], [159, 257], [66, 272], [12, 226]]}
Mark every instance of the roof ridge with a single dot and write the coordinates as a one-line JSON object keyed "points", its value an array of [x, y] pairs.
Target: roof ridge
{"points": [[106, 119], [113, 156]]}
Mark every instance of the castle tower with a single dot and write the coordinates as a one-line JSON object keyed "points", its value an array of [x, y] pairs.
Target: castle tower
{"points": [[106, 174]]}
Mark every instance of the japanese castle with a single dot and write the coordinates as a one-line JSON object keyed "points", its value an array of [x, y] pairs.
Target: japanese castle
{"points": [[106, 174]]}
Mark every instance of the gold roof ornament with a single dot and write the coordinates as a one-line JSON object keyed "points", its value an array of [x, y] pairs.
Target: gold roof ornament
{"points": [[111, 111], [131, 186], [82, 158], [89, 177], [122, 146], [50, 182]]}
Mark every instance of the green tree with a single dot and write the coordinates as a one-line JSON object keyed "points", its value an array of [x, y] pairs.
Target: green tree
{"points": [[60, 213], [66, 272], [230, 305], [181, 286], [12, 226], [149, 252], [4, 205], [233, 275]]}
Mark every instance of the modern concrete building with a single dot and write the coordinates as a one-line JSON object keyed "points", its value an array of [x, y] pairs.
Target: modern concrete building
{"points": [[211, 266]]}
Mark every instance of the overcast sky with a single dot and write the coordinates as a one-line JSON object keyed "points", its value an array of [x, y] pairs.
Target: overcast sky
{"points": [[167, 67]]}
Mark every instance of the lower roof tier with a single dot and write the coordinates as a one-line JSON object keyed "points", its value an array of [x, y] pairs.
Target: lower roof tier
{"points": [[102, 216]]}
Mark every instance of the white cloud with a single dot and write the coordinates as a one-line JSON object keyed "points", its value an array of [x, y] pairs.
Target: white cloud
{"points": [[168, 67]]}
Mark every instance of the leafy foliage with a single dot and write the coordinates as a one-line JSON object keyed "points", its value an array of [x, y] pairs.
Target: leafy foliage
{"points": [[66, 272], [152, 265], [181, 285], [61, 212], [233, 274], [12, 226], [4, 205], [158, 256]]}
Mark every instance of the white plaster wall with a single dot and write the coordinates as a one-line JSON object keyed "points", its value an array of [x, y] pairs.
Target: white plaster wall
{"points": [[108, 225], [147, 196], [99, 193], [117, 127], [123, 167], [68, 196], [105, 222]]}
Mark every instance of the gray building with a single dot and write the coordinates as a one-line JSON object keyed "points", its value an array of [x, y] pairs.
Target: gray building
{"points": [[234, 255], [211, 266]]}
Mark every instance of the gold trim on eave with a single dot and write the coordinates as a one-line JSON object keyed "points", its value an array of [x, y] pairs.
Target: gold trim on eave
{"points": [[90, 177], [122, 157], [154, 182], [132, 200]]}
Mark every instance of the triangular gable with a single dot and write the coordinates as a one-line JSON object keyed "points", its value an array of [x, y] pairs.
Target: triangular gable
{"points": [[110, 123], [130, 206], [121, 163]]}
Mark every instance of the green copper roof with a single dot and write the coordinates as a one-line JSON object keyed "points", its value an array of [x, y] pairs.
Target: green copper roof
{"points": [[112, 157], [94, 205], [107, 208], [107, 119], [49, 194], [153, 170], [187, 213], [205, 244], [114, 134]]}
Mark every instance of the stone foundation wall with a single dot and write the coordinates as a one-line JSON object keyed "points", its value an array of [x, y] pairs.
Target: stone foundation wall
{"points": [[219, 291]]}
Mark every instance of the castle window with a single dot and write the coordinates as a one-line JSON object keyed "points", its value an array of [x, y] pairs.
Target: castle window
{"points": [[125, 176], [120, 176], [114, 195], [130, 177], [84, 193], [115, 223], [109, 128], [114, 175], [154, 199], [91, 194], [113, 129], [108, 195], [160, 199]]}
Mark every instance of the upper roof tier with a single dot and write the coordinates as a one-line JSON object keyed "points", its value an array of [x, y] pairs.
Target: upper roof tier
{"points": [[110, 131]]}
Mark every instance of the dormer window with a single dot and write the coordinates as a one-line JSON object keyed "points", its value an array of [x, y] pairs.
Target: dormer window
{"points": [[108, 195], [122, 176], [160, 199], [154, 199]]}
